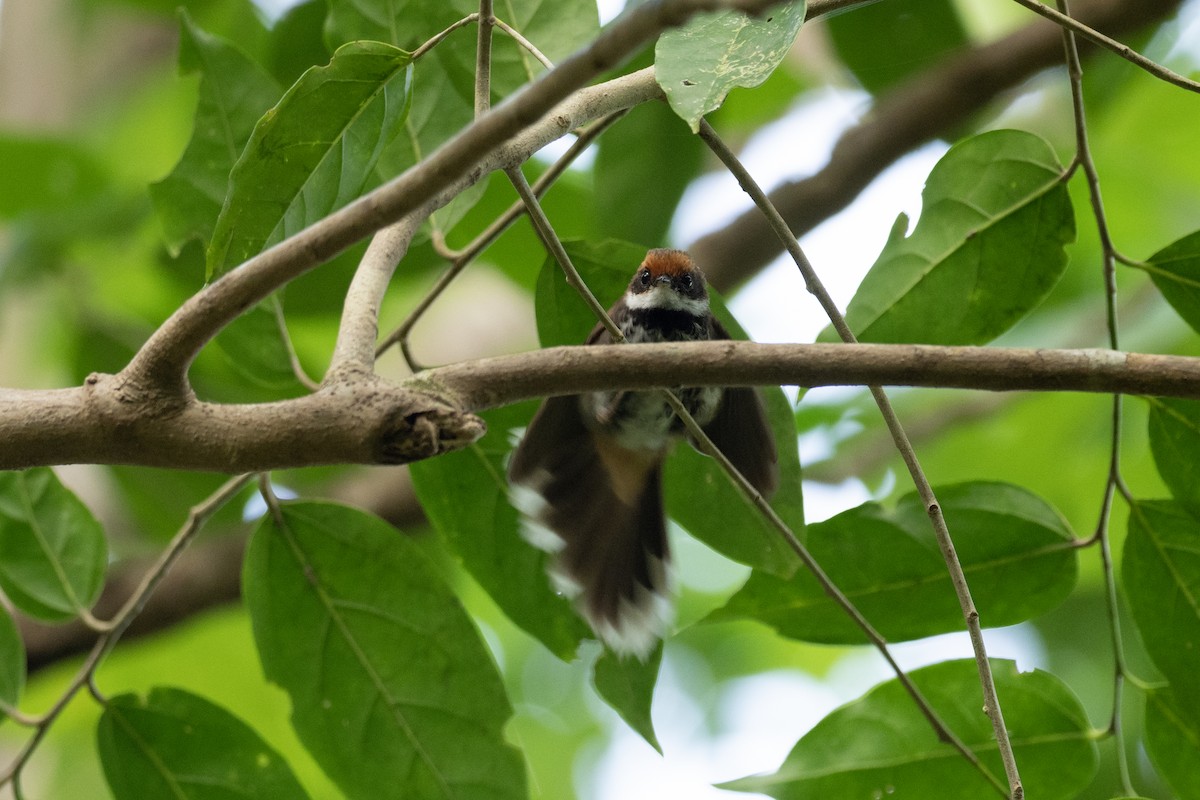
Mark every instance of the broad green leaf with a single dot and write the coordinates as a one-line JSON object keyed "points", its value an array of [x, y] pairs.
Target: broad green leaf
{"points": [[465, 496], [698, 64], [44, 174], [1161, 575], [392, 689], [987, 248], [882, 746], [298, 42], [1173, 742], [234, 93], [255, 348], [52, 550], [12, 663], [627, 685], [883, 43], [314, 151], [699, 496], [172, 743], [643, 164], [1175, 270], [1175, 441], [1016, 552]]}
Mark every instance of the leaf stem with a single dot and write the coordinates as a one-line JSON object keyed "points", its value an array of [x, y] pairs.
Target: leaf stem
{"points": [[483, 58], [904, 446]]}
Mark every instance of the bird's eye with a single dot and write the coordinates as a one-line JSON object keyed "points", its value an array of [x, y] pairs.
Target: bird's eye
{"points": [[685, 280], [644, 277]]}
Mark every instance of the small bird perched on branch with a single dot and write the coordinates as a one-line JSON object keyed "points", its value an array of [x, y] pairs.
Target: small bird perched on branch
{"points": [[587, 476]]}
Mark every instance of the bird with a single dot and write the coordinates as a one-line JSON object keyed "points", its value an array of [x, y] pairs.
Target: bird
{"points": [[586, 476]]}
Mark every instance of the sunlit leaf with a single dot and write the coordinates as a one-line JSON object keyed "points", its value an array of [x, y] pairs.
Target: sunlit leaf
{"points": [[627, 685], [392, 689], [1175, 270], [698, 64], [987, 249], [52, 550], [234, 93], [699, 496], [1161, 576], [1173, 743], [1015, 550], [172, 743], [314, 151], [882, 746], [465, 495]]}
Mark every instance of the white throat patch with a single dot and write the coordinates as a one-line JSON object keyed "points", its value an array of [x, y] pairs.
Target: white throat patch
{"points": [[666, 298]]}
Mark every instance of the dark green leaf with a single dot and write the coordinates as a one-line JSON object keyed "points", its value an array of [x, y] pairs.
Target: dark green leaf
{"points": [[52, 550], [314, 151], [627, 685], [12, 663], [298, 42], [698, 64], [987, 248], [1015, 549], [254, 345], [392, 689], [1175, 441], [1175, 270], [234, 93], [883, 43], [1173, 742], [643, 164], [698, 494], [465, 495], [882, 746], [1161, 574], [175, 744]]}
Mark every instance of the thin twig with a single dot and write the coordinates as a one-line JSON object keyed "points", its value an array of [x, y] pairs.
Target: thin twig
{"points": [[438, 37], [483, 59], [459, 259], [903, 445], [1124, 51], [555, 247], [198, 515], [517, 37], [293, 357], [1102, 535]]}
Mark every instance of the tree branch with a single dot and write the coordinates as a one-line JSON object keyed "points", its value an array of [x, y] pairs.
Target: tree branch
{"points": [[931, 104]]}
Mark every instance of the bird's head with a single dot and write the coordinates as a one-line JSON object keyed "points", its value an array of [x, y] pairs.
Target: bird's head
{"points": [[668, 280]]}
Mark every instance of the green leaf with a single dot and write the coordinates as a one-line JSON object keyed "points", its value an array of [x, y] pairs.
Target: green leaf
{"points": [[698, 64], [1161, 575], [883, 43], [1173, 743], [314, 151], [987, 248], [43, 174], [698, 494], [1015, 549], [175, 744], [52, 550], [234, 93], [1175, 441], [254, 346], [12, 663], [465, 496], [1175, 270], [881, 746], [298, 42], [392, 689], [627, 685], [643, 164]]}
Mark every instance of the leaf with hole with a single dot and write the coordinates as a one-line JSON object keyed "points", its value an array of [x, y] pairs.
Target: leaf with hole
{"points": [[699, 496], [393, 691], [234, 93], [881, 745], [698, 64], [314, 151], [52, 550], [172, 743], [1015, 549], [987, 249], [1160, 572]]}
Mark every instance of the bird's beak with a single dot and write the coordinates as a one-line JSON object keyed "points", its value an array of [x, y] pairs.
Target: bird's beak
{"points": [[664, 279]]}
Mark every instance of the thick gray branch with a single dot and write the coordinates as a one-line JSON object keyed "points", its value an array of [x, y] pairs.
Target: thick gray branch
{"points": [[369, 421]]}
